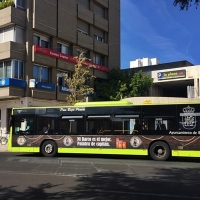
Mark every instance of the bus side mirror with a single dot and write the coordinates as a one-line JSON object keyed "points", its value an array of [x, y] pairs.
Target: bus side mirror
{"points": [[11, 122]]}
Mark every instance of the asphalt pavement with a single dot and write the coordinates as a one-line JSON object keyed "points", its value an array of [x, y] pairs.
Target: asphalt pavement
{"points": [[31, 176]]}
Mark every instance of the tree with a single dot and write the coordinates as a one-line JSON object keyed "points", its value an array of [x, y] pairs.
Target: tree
{"points": [[6, 3], [185, 4], [140, 84], [79, 83], [123, 84]]}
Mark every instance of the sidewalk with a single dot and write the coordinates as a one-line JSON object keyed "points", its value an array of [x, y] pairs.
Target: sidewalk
{"points": [[4, 148]]}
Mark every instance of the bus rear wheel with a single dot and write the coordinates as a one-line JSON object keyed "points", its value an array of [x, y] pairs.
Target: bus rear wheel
{"points": [[159, 151], [49, 148]]}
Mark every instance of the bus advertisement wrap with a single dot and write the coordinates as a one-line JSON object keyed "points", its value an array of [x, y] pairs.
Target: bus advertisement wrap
{"points": [[161, 130]]}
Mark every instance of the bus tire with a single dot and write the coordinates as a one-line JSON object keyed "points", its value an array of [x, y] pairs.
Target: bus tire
{"points": [[159, 151], [49, 148]]}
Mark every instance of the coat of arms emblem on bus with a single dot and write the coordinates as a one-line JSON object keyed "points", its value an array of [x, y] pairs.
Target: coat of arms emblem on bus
{"points": [[188, 118]]}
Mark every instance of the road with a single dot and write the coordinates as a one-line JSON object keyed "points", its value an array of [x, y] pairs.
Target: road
{"points": [[31, 176]]}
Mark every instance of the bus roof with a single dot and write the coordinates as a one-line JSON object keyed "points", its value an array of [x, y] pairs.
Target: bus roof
{"points": [[104, 103]]}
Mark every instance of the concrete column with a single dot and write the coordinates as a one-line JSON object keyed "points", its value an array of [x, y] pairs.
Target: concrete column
{"points": [[196, 88], [28, 65], [74, 50], [3, 120]]}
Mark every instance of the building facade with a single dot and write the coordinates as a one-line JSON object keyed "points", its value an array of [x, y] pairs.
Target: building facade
{"points": [[176, 79], [38, 40]]}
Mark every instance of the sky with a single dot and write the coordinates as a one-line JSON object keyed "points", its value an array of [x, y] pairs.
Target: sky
{"points": [[158, 29]]}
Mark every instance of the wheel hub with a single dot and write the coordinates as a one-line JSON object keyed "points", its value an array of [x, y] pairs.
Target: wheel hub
{"points": [[160, 151], [48, 148]]}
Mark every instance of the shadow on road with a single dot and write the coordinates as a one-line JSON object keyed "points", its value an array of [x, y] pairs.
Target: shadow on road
{"points": [[116, 186]]}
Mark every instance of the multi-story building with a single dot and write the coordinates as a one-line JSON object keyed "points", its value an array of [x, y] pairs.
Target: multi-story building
{"points": [[38, 40]]}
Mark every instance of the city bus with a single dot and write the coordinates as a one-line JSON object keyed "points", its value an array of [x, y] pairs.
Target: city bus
{"points": [[116, 127]]}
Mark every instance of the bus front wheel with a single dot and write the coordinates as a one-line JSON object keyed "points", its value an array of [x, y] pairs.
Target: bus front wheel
{"points": [[159, 151], [49, 148]]}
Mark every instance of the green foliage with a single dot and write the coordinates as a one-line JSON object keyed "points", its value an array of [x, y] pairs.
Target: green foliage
{"points": [[78, 84], [185, 4], [6, 3], [140, 84], [122, 84]]}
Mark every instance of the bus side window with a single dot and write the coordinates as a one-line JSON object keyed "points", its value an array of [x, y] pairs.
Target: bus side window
{"points": [[126, 125], [98, 125], [72, 125]]}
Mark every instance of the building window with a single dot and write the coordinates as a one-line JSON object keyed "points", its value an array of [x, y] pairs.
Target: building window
{"points": [[83, 32], [62, 48], [98, 10], [99, 35], [15, 34], [41, 74], [98, 59], [41, 41], [20, 4], [61, 77], [83, 27], [96, 37], [83, 52], [7, 35], [19, 35], [5, 69], [18, 69], [84, 3], [11, 69]]}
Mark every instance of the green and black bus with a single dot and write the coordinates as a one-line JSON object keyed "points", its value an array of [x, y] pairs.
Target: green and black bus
{"points": [[115, 127]]}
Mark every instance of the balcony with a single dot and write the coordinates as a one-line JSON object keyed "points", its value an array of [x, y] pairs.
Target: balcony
{"points": [[11, 15], [43, 59], [103, 2], [101, 47], [101, 22], [85, 14], [45, 16], [12, 50], [44, 91], [11, 88], [85, 41]]}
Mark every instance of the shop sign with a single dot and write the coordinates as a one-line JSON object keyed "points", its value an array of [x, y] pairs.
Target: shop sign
{"points": [[5, 82], [45, 86], [66, 57], [64, 89], [171, 74]]}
